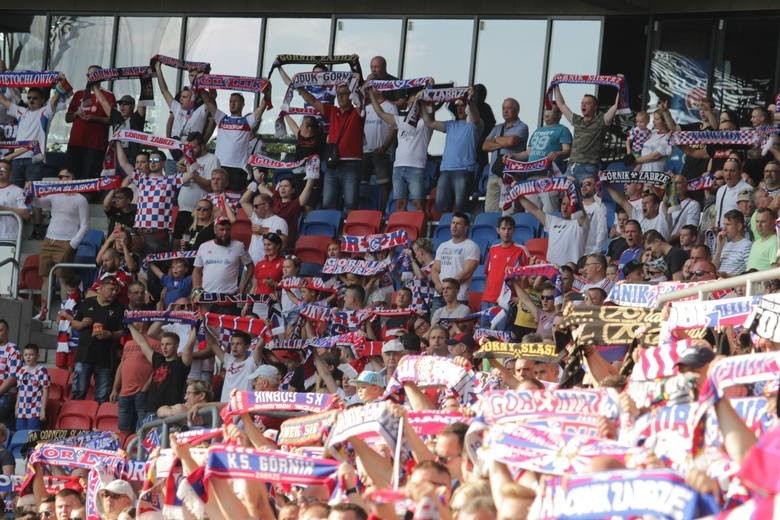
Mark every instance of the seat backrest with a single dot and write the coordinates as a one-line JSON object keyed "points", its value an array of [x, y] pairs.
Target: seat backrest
{"points": [[475, 300], [312, 248], [75, 422], [489, 219], [107, 409], [366, 217]]}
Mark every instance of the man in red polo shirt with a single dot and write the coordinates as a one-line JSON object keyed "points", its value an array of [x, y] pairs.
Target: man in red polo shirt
{"points": [[346, 132], [502, 255]]}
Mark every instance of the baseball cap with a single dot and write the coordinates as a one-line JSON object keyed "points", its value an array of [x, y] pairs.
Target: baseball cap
{"points": [[266, 371], [393, 345], [126, 100], [367, 377], [411, 342], [744, 195], [463, 337], [696, 357], [222, 220], [120, 487]]}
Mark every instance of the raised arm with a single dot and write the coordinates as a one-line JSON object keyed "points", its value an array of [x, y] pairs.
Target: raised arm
{"points": [[531, 208], [258, 113], [246, 200], [526, 300], [292, 124], [610, 114], [141, 341], [163, 84], [562, 106], [306, 192], [186, 354], [213, 344], [104, 104], [4, 100], [211, 105], [284, 75], [311, 100], [473, 112], [384, 116], [427, 116], [121, 159], [620, 199]]}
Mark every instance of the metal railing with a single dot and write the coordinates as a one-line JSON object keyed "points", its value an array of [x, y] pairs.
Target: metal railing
{"points": [[727, 283], [17, 251], [50, 285]]}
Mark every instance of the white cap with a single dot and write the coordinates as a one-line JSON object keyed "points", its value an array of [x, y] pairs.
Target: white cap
{"points": [[264, 371], [393, 345]]}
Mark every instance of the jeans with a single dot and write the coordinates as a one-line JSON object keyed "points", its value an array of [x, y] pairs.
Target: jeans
{"points": [[408, 183], [81, 377], [451, 190], [24, 170], [33, 423], [132, 409], [342, 181], [580, 171]]}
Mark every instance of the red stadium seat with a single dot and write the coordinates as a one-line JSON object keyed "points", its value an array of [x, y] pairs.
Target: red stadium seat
{"points": [[74, 422], [77, 414], [107, 409], [312, 248], [60, 378], [475, 301], [362, 222], [242, 231], [52, 412], [55, 392], [410, 221], [29, 280], [107, 423], [537, 247]]}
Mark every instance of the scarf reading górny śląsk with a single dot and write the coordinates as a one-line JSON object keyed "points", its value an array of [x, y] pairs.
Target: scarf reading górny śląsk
{"points": [[435, 95], [327, 81], [617, 81], [143, 73], [146, 140], [535, 186]]}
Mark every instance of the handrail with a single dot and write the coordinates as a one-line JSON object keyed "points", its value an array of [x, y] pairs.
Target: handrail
{"points": [[14, 286], [50, 285], [726, 283], [17, 249], [136, 446]]}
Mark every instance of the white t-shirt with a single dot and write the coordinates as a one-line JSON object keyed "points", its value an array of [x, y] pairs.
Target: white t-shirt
{"points": [[566, 242], [442, 313], [186, 121], [452, 256], [597, 230], [13, 197], [33, 125], [69, 217], [688, 212], [190, 193], [221, 265], [275, 224], [375, 130], [412, 150], [660, 222], [726, 199], [237, 375], [657, 142], [233, 139]]}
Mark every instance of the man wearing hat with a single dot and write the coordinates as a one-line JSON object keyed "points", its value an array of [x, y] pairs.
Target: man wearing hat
{"points": [[126, 116], [392, 352], [462, 344], [265, 378], [113, 498], [370, 386], [695, 360]]}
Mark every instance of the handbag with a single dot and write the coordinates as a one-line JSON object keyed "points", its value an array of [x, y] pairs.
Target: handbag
{"points": [[497, 168]]}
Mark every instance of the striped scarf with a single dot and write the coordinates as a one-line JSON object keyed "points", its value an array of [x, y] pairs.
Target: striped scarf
{"points": [[374, 243], [310, 59], [43, 188], [39, 79], [196, 66], [534, 186], [434, 95], [618, 81]]}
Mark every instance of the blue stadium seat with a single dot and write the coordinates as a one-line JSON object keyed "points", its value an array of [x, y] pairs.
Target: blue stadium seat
{"points": [[523, 235], [527, 221], [611, 208], [322, 222], [89, 247], [483, 233], [478, 279], [18, 441], [489, 219], [482, 180], [370, 197], [310, 269]]}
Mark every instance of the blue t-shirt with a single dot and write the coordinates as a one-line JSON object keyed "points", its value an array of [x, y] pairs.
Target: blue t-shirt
{"points": [[460, 146], [547, 139], [176, 288]]}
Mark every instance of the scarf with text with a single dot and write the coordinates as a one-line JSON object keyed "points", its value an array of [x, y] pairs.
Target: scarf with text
{"points": [[329, 80], [274, 467], [764, 319], [369, 420], [33, 146], [519, 171], [657, 493], [239, 298], [354, 266], [432, 422], [252, 326], [309, 430], [374, 243], [658, 362], [43, 188], [309, 282], [353, 60], [356, 340], [198, 435], [549, 271], [311, 163], [410, 86], [706, 182], [752, 137], [40, 79], [536, 186], [170, 255], [235, 83], [739, 370], [144, 139], [694, 314], [248, 401], [184, 317], [612, 325], [499, 349], [433, 371], [142, 73], [658, 179], [434, 95], [646, 295], [196, 66], [617, 81], [481, 335]]}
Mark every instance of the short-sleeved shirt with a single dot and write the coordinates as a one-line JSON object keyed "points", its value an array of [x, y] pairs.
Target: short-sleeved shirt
{"points": [[412, 150], [93, 351], [346, 128], [155, 200], [763, 253], [518, 128], [135, 368], [375, 130], [657, 142], [546, 140], [289, 211], [268, 269], [11, 196], [10, 360], [275, 224], [460, 146], [187, 120], [169, 379], [176, 288], [734, 256], [89, 134], [452, 256], [638, 136], [588, 136], [237, 375], [566, 239], [30, 382], [233, 139], [33, 126], [221, 265], [190, 192], [674, 260], [498, 259]]}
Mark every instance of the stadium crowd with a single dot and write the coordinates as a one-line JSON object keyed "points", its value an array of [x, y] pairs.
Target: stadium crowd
{"points": [[523, 358]]}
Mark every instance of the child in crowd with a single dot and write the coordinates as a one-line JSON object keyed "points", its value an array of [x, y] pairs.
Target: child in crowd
{"points": [[638, 135], [176, 285], [32, 382]]}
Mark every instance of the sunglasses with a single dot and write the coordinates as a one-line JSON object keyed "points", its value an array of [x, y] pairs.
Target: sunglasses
{"points": [[446, 460], [199, 208], [155, 159], [544, 297], [4, 169], [109, 494], [700, 273]]}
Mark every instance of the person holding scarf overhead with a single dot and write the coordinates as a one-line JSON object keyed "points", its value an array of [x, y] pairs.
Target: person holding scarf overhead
{"points": [[460, 152]]}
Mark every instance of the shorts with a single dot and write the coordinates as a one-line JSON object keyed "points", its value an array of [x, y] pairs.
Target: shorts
{"points": [[379, 164], [55, 252], [65, 359], [408, 183]]}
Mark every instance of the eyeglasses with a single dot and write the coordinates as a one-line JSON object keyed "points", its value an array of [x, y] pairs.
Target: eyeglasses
{"points": [[201, 208], [548, 297], [45, 514], [155, 159], [700, 273]]}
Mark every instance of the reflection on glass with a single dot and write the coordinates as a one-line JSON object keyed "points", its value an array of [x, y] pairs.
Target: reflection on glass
{"points": [[502, 81], [145, 37], [680, 67], [231, 45], [75, 43], [22, 48], [441, 49], [370, 38], [291, 36], [574, 49]]}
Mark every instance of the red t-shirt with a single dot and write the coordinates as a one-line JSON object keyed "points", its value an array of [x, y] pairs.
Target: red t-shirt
{"points": [[499, 258], [268, 269], [289, 211], [135, 368], [89, 134], [346, 126]]}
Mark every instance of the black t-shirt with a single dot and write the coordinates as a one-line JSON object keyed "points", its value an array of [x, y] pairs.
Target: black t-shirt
{"points": [[115, 216], [200, 235], [99, 352], [169, 379], [616, 248], [674, 260], [309, 145]]}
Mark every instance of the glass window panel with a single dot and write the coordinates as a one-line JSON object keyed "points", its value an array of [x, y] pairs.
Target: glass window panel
{"points": [[214, 40], [370, 38], [516, 82], [291, 36], [21, 42], [441, 49], [574, 49], [143, 38], [75, 43], [680, 66]]}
